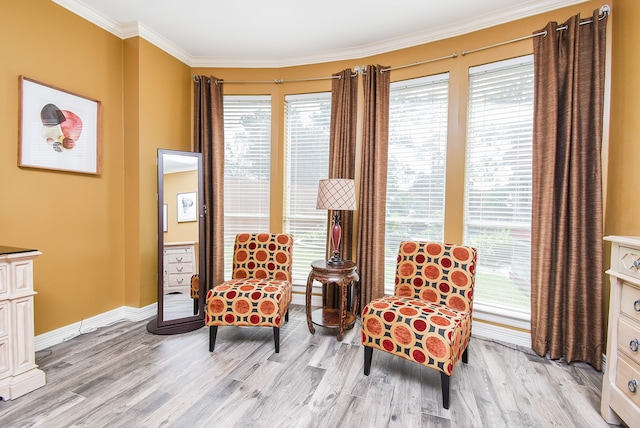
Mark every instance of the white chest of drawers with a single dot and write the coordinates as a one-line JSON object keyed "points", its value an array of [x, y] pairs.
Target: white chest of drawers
{"points": [[621, 382], [179, 265], [19, 373]]}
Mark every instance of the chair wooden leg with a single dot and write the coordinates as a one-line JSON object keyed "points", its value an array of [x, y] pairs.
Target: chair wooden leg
{"points": [[276, 338], [195, 306], [444, 379], [286, 316], [213, 331], [368, 354], [465, 355]]}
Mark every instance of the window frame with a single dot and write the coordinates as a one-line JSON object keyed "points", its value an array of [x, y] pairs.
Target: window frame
{"points": [[504, 314]]}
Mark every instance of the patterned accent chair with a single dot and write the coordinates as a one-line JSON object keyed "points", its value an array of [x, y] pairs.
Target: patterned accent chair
{"points": [[195, 291], [428, 319], [259, 292]]}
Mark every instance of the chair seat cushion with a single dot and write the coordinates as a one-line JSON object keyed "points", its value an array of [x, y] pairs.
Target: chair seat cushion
{"points": [[428, 333], [248, 302]]}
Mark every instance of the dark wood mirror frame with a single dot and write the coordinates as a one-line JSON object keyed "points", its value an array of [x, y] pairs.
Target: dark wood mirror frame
{"points": [[160, 325]]}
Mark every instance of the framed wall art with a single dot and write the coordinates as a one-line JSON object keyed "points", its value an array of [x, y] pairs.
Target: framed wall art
{"points": [[187, 207], [59, 130]]}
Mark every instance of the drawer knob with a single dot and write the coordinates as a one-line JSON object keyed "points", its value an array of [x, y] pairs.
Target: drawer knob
{"points": [[179, 269], [633, 345], [178, 259], [633, 386], [636, 305], [636, 263]]}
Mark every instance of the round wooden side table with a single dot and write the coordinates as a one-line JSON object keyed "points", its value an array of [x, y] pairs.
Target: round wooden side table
{"points": [[343, 275]]}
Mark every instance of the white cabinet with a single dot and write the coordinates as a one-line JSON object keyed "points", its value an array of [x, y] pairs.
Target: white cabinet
{"points": [[621, 382], [179, 265], [19, 373]]}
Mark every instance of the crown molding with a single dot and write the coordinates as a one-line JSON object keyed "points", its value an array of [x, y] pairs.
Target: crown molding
{"points": [[91, 15], [136, 29], [164, 44]]}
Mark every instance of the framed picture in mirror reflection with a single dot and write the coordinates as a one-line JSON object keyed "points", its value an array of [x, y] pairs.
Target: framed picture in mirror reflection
{"points": [[187, 207]]}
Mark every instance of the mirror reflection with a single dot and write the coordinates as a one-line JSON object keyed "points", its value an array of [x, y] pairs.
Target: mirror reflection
{"points": [[180, 235], [180, 239]]}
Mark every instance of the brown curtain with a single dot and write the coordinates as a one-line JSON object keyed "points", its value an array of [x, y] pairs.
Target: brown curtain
{"points": [[566, 241], [373, 183], [342, 146], [208, 132]]}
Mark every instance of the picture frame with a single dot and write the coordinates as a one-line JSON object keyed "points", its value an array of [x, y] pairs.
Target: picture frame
{"points": [[187, 207], [59, 130]]}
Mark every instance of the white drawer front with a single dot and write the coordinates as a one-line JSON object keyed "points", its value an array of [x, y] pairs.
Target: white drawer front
{"points": [[180, 268], [179, 280], [178, 250], [628, 380], [630, 301], [629, 261], [4, 319], [4, 280], [5, 362], [179, 258], [22, 278], [629, 339]]}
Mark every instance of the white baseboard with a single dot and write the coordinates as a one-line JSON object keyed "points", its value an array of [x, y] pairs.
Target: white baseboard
{"points": [[62, 334], [298, 296], [54, 337], [51, 338], [501, 334], [486, 330]]}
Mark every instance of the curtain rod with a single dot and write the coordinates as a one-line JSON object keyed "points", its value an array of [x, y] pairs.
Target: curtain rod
{"points": [[453, 55], [604, 11], [276, 81]]}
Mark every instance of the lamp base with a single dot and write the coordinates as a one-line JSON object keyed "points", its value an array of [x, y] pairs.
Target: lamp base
{"points": [[335, 260], [336, 233]]}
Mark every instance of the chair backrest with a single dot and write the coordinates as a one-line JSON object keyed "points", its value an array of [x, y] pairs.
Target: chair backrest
{"points": [[436, 273], [262, 255]]}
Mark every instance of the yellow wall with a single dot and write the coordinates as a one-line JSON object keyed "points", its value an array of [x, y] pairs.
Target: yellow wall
{"points": [[164, 122], [98, 244], [75, 220], [623, 205], [98, 233]]}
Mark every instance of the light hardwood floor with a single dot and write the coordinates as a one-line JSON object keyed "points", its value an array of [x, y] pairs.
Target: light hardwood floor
{"points": [[122, 376]]}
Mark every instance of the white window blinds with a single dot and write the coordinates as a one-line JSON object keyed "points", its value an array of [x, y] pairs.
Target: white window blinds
{"points": [[497, 209], [307, 121], [418, 111], [247, 163]]}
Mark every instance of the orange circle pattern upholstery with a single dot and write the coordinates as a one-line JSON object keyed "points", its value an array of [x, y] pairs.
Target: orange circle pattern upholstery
{"points": [[428, 320], [260, 292]]}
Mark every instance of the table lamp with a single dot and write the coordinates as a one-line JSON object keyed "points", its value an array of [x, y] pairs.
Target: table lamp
{"points": [[336, 194]]}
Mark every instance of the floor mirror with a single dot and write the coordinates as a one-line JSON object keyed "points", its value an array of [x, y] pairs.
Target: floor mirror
{"points": [[180, 239]]}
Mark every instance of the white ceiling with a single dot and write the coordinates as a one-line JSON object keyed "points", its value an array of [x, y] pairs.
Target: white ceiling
{"points": [[279, 33]]}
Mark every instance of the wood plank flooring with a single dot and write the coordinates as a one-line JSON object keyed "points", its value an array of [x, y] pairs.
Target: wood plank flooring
{"points": [[123, 376]]}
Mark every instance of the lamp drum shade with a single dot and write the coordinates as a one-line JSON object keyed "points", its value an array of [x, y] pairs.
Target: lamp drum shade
{"points": [[337, 194]]}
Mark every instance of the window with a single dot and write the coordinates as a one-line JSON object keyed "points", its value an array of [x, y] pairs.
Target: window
{"points": [[307, 158], [418, 112], [497, 207], [247, 163]]}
